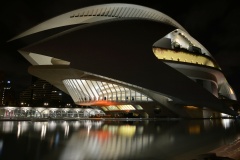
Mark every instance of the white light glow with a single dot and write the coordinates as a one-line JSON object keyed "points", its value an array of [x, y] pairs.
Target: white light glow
{"points": [[43, 131], [226, 123], [7, 127], [66, 131], [19, 130]]}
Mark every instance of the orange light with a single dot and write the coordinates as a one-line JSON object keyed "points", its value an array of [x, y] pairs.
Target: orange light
{"points": [[194, 129], [103, 135], [191, 107], [99, 103]]}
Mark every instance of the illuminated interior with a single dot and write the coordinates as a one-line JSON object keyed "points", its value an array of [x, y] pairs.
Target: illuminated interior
{"points": [[121, 107], [185, 57], [191, 107], [83, 91]]}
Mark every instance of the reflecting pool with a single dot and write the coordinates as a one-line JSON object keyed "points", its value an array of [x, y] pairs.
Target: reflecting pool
{"points": [[114, 140]]}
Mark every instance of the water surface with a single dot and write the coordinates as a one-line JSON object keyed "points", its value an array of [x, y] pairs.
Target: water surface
{"points": [[114, 140]]}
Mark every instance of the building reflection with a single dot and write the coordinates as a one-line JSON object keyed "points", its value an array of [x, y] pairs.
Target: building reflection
{"points": [[110, 142], [98, 139], [194, 129], [8, 127], [226, 123]]}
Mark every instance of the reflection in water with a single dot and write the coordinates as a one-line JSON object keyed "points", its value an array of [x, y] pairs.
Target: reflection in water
{"points": [[1, 146], [108, 140], [112, 142], [51, 125], [226, 123], [37, 126], [7, 127], [194, 129], [43, 131]]}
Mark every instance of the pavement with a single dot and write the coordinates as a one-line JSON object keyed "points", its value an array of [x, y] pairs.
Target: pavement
{"points": [[231, 150], [225, 152]]}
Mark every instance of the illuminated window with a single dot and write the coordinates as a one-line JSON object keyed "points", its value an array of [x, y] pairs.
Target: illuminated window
{"points": [[125, 107], [138, 107], [111, 108], [231, 91], [104, 108], [184, 56]]}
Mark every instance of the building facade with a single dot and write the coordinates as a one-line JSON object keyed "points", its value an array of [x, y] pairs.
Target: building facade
{"points": [[127, 59], [42, 93], [7, 93]]}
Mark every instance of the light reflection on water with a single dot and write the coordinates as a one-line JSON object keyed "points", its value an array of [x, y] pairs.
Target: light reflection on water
{"points": [[114, 140]]}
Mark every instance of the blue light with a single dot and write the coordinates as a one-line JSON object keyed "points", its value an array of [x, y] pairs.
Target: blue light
{"points": [[8, 81]]}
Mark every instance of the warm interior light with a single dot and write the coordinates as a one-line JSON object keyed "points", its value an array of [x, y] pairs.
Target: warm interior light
{"points": [[185, 57], [191, 107], [127, 130], [194, 129], [231, 91], [98, 103]]}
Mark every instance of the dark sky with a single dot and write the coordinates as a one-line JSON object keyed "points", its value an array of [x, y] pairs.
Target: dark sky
{"points": [[214, 23]]}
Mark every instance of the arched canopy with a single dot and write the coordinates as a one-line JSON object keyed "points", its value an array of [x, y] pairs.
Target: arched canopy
{"points": [[102, 12]]}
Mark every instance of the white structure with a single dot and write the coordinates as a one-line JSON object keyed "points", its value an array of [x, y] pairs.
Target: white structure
{"points": [[128, 58]]}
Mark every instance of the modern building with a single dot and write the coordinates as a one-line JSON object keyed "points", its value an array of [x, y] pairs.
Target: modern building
{"points": [[127, 59]]}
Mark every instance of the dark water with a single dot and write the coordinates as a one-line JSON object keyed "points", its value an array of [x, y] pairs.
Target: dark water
{"points": [[114, 140]]}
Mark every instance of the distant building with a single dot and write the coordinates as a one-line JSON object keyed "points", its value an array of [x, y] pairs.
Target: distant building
{"points": [[42, 93], [2, 75], [7, 93], [1, 87]]}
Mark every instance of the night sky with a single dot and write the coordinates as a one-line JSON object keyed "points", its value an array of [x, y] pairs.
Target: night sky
{"points": [[214, 23]]}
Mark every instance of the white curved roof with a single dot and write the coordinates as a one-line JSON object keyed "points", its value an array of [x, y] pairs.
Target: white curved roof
{"points": [[99, 13]]}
